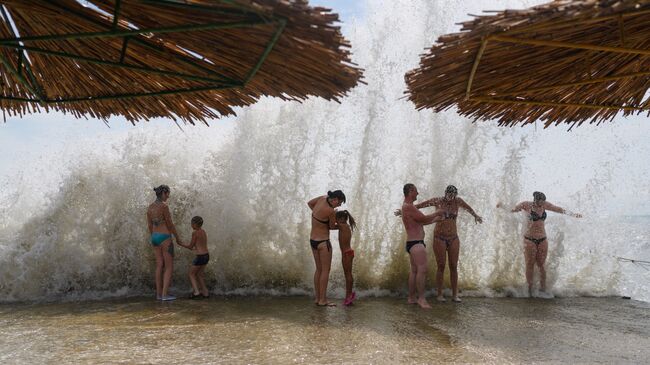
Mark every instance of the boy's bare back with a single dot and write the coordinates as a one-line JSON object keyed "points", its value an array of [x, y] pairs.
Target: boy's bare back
{"points": [[199, 241]]}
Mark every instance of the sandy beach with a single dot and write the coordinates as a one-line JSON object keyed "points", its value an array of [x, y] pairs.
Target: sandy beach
{"points": [[281, 330]]}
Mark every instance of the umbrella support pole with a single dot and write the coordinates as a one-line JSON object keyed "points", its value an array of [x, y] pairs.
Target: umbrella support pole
{"points": [[577, 83], [475, 67], [143, 42], [535, 42], [552, 104], [592, 47]]}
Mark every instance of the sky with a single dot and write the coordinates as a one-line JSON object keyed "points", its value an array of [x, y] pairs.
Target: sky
{"points": [[27, 139]]}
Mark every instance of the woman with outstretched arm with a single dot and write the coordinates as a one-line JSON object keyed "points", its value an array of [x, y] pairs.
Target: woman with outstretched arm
{"points": [[446, 243], [535, 242]]}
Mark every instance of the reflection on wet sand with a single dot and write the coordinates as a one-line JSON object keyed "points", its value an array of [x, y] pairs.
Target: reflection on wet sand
{"points": [[284, 330]]}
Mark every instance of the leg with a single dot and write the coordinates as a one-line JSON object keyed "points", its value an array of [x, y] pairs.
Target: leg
{"points": [[440, 252], [419, 255], [540, 259], [159, 271], [412, 298], [316, 275], [169, 266], [347, 270], [325, 255], [200, 277], [193, 280], [530, 251], [453, 252]]}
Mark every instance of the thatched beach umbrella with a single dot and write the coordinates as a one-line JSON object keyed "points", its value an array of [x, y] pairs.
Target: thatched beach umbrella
{"points": [[192, 59], [561, 62]]}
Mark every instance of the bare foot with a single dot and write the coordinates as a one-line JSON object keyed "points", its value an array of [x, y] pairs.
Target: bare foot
{"points": [[423, 304], [441, 299], [412, 301], [326, 304]]}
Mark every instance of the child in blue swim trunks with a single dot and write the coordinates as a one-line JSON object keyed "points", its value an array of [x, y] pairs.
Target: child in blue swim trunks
{"points": [[199, 244]]}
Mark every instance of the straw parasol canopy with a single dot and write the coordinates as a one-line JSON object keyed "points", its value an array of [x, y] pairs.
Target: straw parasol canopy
{"points": [[183, 59], [564, 62]]}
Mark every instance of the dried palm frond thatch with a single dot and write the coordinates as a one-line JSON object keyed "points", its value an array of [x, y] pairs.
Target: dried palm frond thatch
{"points": [[567, 61], [189, 60]]}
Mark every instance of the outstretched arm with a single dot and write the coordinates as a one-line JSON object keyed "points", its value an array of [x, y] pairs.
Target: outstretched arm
{"points": [[426, 219], [518, 208], [428, 203], [462, 204], [556, 209], [192, 243]]}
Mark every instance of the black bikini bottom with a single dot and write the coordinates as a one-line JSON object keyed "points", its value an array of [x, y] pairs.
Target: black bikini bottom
{"points": [[448, 240], [536, 241], [410, 244], [314, 244]]}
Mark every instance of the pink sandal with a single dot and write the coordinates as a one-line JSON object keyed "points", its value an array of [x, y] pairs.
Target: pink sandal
{"points": [[350, 299]]}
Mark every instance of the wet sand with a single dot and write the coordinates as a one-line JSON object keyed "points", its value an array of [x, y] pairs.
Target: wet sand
{"points": [[283, 330]]}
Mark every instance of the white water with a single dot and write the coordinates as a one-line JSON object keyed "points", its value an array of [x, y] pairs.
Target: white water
{"points": [[73, 223]]}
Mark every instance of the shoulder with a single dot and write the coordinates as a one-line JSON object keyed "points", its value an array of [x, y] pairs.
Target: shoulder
{"points": [[408, 207]]}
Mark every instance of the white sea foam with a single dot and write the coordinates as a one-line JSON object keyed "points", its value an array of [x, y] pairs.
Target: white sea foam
{"points": [[73, 226]]}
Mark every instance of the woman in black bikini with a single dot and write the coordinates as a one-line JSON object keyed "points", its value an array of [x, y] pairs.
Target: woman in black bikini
{"points": [[323, 219], [445, 237], [535, 242]]}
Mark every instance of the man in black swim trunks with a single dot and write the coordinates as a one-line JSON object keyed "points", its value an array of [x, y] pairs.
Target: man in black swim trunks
{"points": [[414, 222]]}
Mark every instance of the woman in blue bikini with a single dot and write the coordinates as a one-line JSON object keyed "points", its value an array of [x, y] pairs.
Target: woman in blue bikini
{"points": [[161, 229], [535, 242]]}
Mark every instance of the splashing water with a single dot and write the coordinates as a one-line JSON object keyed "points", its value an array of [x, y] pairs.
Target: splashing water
{"points": [[75, 228]]}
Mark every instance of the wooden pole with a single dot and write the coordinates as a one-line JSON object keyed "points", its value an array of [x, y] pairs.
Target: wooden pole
{"points": [[475, 67], [577, 83], [551, 104], [539, 42]]}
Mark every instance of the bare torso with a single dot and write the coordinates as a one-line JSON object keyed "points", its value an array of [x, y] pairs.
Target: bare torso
{"points": [[200, 241], [345, 236], [414, 230], [534, 229], [321, 216], [446, 227]]}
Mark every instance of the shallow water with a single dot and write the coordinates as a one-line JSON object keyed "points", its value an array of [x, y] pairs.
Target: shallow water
{"points": [[292, 330]]}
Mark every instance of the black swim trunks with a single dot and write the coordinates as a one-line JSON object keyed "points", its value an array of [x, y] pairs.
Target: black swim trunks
{"points": [[410, 244], [314, 244], [201, 260]]}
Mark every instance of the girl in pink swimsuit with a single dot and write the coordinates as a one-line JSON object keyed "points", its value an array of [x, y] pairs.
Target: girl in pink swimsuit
{"points": [[347, 253]]}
